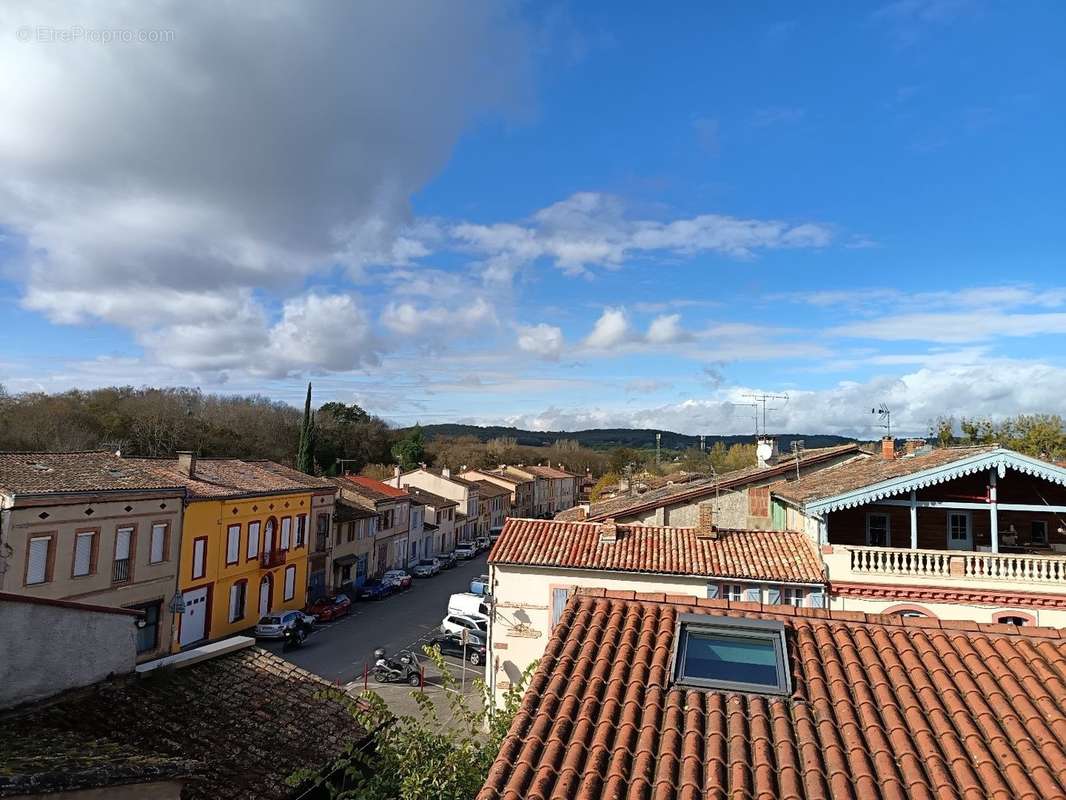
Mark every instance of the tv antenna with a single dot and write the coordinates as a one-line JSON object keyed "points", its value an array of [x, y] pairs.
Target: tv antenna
{"points": [[755, 410], [885, 417], [760, 399]]}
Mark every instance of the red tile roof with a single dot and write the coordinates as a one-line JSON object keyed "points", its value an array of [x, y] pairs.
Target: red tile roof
{"points": [[758, 555], [227, 477], [375, 488], [92, 471], [882, 707], [547, 472]]}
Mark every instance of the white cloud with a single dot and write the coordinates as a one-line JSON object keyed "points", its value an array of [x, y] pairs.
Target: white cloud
{"points": [[611, 330], [155, 186], [542, 339], [953, 327], [408, 319], [590, 229], [667, 329]]}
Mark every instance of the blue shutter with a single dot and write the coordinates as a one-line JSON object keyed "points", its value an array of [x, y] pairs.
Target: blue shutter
{"points": [[773, 596], [751, 594], [713, 591], [559, 598], [817, 598]]}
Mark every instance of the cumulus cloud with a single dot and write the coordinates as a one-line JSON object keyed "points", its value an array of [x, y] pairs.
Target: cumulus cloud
{"points": [[409, 319], [666, 329], [591, 229], [156, 185], [542, 340], [611, 330]]}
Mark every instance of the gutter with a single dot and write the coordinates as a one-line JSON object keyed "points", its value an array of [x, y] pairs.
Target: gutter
{"points": [[642, 573]]}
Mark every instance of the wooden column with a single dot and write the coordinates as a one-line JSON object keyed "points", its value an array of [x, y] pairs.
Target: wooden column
{"points": [[914, 520], [993, 510]]}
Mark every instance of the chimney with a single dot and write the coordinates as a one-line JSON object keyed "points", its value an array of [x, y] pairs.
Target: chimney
{"points": [[608, 532], [396, 475], [888, 448], [765, 451], [623, 484], [445, 473], [187, 463], [583, 512], [912, 446], [705, 525]]}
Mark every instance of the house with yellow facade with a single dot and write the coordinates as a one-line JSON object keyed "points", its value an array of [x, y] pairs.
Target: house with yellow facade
{"points": [[246, 535]]}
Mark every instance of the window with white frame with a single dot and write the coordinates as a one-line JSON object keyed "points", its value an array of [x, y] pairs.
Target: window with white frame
{"points": [[157, 548], [301, 529], [878, 530], [290, 582], [794, 595], [253, 540], [122, 570], [286, 532], [732, 591], [38, 560], [84, 550], [233, 544], [237, 596]]}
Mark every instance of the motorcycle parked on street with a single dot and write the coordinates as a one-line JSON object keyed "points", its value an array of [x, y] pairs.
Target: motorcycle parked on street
{"points": [[404, 667]]}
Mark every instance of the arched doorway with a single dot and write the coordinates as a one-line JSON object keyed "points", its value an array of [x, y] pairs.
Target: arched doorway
{"points": [[266, 594]]}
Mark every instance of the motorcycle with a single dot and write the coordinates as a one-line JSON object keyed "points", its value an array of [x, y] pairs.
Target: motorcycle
{"points": [[404, 667], [295, 636]]}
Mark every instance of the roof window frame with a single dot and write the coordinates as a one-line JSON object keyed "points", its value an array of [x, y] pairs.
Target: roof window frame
{"points": [[766, 630]]}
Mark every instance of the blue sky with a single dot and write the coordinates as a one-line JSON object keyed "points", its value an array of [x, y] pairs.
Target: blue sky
{"points": [[551, 215]]}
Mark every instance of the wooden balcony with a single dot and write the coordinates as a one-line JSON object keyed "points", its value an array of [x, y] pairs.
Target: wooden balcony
{"points": [[272, 558], [881, 565]]}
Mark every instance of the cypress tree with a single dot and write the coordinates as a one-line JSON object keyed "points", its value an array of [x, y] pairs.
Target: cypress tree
{"points": [[305, 455]]}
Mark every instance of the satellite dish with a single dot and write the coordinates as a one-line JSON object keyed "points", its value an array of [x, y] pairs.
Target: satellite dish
{"points": [[763, 451]]}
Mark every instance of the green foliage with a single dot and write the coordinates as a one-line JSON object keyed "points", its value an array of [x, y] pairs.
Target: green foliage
{"points": [[1039, 435], [942, 431], [422, 757], [602, 485], [305, 453], [410, 451], [623, 459]]}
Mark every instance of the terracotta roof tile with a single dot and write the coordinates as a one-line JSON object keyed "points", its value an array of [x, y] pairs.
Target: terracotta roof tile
{"points": [[374, 489], [228, 477], [428, 498], [879, 709], [47, 473], [758, 555], [246, 720]]}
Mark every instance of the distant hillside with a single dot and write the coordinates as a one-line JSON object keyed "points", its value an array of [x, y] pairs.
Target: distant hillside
{"points": [[607, 438]]}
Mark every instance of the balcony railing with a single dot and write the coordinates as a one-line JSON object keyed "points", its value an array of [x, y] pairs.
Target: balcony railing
{"points": [[273, 558], [857, 563], [321, 542], [120, 571]]}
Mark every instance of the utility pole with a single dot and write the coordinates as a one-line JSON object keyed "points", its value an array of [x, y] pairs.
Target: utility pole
{"points": [[658, 443], [703, 443]]}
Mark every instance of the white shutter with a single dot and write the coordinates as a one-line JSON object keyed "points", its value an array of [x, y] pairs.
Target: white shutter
{"points": [[286, 525], [198, 558], [83, 553], [37, 568], [253, 540], [290, 582], [233, 544], [159, 533], [122, 543]]}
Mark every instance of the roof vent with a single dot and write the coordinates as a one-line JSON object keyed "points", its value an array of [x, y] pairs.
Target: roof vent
{"points": [[608, 532], [39, 467]]}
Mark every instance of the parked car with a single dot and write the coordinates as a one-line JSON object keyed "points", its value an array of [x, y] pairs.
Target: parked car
{"points": [[456, 623], [480, 585], [327, 609], [465, 551], [273, 626], [426, 568], [375, 590], [482, 543], [399, 578], [468, 604], [447, 560], [450, 644]]}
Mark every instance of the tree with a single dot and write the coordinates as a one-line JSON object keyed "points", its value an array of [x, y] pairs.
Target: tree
{"points": [[417, 757], [943, 431], [602, 485], [622, 458], [410, 451], [305, 455]]}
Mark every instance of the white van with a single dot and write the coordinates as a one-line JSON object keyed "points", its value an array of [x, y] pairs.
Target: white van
{"points": [[468, 604]]}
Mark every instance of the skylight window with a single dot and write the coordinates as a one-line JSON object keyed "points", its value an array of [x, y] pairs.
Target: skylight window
{"points": [[734, 654]]}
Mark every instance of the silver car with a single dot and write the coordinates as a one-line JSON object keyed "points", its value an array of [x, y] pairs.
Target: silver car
{"points": [[273, 626]]}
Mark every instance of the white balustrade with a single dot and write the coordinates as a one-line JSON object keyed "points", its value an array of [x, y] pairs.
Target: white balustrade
{"points": [[901, 562], [898, 561], [1012, 567]]}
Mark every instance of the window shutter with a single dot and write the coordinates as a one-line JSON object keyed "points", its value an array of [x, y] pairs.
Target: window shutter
{"points": [[773, 596], [122, 543], [713, 592], [83, 553], [198, 558], [752, 594], [290, 582], [559, 598], [37, 569], [233, 544], [286, 527], [817, 597], [234, 591], [253, 540], [159, 533]]}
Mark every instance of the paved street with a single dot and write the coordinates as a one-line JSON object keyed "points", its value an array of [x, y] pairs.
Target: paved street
{"points": [[338, 650]]}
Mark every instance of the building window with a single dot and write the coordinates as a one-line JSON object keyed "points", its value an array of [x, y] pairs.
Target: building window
{"points": [[878, 530], [157, 550], [286, 532], [958, 529], [301, 529], [733, 591], [351, 531], [233, 544], [199, 557], [1038, 532], [746, 655], [253, 541], [122, 570], [84, 554], [269, 545], [1013, 619], [794, 596], [386, 519], [148, 632], [290, 582], [237, 597], [39, 560]]}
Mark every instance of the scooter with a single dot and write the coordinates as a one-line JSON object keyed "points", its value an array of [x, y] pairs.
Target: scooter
{"points": [[404, 667], [294, 637]]}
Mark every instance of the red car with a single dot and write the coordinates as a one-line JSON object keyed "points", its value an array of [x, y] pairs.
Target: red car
{"points": [[330, 608]]}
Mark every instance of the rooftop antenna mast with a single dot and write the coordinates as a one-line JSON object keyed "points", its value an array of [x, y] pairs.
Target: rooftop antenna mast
{"points": [[885, 417], [760, 399], [755, 409]]}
